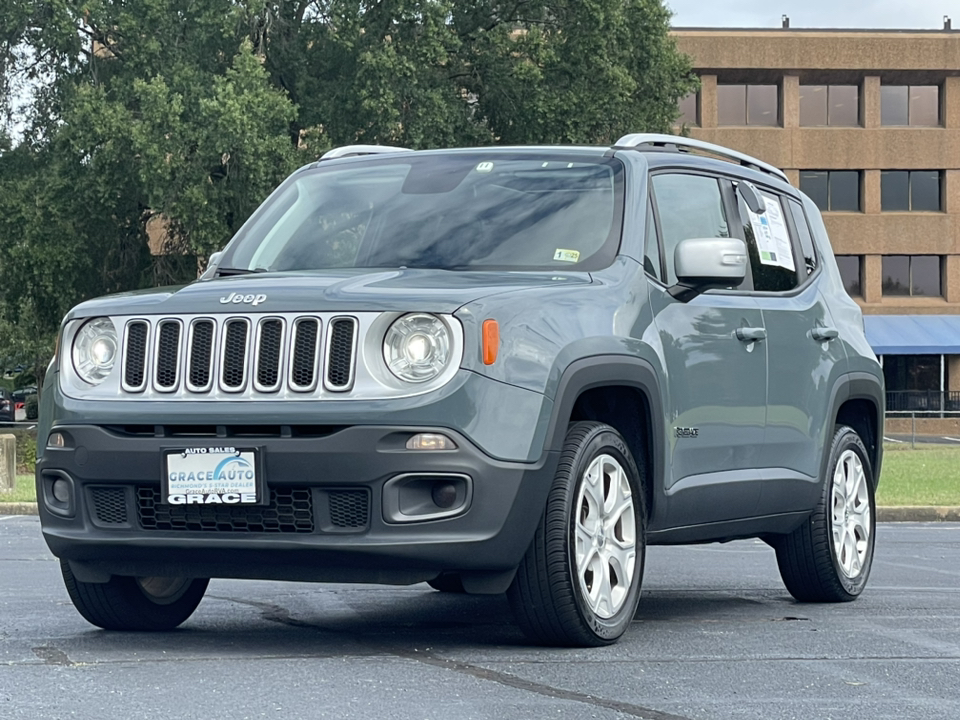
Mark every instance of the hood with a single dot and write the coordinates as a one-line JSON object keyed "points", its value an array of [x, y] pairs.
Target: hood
{"points": [[437, 291]]}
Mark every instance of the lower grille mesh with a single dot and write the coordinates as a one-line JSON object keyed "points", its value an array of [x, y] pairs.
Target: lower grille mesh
{"points": [[349, 508], [110, 505], [290, 511]]}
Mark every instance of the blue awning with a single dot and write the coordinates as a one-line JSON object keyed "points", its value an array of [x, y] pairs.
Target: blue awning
{"points": [[913, 334]]}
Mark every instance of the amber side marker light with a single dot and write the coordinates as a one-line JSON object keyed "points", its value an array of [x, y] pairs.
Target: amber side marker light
{"points": [[491, 341]]}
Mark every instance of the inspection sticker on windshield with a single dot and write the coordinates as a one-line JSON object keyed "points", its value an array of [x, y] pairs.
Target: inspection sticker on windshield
{"points": [[567, 255], [485, 167], [211, 476]]}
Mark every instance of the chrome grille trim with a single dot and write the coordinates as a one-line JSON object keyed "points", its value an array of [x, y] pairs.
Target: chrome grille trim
{"points": [[314, 353], [369, 377], [137, 363], [336, 353], [163, 362], [232, 355], [262, 356], [197, 347]]}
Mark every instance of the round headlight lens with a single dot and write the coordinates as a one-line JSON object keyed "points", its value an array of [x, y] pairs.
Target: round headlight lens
{"points": [[416, 348], [95, 350]]}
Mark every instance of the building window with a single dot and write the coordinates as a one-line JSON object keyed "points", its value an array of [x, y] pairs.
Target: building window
{"points": [[688, 109], [917, 275], [916, 105], [748, 105], [911, 372], [833, 105], [916, 190], [851, 272], [832, 190]]}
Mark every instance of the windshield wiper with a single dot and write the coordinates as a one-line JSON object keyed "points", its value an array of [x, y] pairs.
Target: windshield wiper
{"points": [[224, 271]]}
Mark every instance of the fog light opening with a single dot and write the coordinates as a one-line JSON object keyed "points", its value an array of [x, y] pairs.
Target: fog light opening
{"points": [[61, 491], [430, 441], [56, 440], [444, 495]]}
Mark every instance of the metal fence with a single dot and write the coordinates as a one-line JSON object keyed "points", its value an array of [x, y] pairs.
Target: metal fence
{"points": [[923, 401]]}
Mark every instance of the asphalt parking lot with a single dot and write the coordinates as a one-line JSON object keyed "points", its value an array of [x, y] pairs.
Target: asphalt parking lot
{"points": [[716, 637]]}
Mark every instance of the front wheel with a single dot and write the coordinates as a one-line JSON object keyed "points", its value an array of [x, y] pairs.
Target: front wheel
{"points": [[136, 604], [828, 558], [579, 583]]}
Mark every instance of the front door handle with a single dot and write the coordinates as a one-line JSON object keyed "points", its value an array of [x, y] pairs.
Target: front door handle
{"points": [[824, 334], [748, 334]]}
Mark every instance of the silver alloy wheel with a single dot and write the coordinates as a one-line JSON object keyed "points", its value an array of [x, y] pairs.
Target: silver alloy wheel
{"points": [[851, 514], [164, 590], [606, 536]]}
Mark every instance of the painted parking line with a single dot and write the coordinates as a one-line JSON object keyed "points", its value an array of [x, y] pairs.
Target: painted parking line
{"points": [[9, 517], [886, 439], [956, 440]]}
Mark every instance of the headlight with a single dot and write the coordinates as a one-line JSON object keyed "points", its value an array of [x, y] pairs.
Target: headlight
{"points": [[95, 350], [416, 348]]}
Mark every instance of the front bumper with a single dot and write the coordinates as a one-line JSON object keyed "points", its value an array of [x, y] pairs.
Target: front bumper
{"points": [[123, 464]]}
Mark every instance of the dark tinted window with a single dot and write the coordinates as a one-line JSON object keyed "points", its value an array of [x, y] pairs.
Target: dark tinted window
{"points": [[769, 246], [850, 272], [815, 184], [925, 191], [748, 105], [651, 252], [688, 109], [833, 190], [919, 275], [917, 105], [911, 372], [917, 190], [476, 210], [689, 206], [806, 239], [895, 190]]}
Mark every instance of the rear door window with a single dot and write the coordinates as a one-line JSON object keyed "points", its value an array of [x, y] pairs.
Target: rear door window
{"points": [[770, 246]]}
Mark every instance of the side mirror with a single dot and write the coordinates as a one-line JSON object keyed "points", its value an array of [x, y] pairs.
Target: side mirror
{"points": [[751, 196], [212, 265], [705, 263]]}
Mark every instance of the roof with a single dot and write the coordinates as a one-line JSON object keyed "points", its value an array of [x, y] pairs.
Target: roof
{"points": [[913, 334]]}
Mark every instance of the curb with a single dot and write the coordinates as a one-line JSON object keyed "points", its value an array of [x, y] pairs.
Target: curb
{"points": [[906, 513]]}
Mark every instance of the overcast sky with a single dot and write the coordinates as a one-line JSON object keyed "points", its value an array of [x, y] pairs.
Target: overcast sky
{"points": [[927, 14]]}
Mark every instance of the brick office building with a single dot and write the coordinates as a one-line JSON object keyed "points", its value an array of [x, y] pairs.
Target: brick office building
{"points": [[867, 123]]}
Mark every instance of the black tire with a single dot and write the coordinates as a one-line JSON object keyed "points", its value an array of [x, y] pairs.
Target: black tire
{"points": [[810, 565], [547, 596], [447, 583], [126, 603]]}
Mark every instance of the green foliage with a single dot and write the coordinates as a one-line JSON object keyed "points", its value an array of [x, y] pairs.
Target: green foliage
{"points": [[32, 407], [26, 451], [172, 119]]}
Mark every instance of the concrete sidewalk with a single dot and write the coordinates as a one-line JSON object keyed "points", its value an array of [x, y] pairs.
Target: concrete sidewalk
{"points": [[907, 513]]}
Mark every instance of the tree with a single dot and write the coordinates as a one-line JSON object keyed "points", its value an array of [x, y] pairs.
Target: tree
{"points": [[175, 118]]}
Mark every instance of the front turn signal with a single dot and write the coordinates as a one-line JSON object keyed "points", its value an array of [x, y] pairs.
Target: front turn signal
{"points": [[491, 341]]}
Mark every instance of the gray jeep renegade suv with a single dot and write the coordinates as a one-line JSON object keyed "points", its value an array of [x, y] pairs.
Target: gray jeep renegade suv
{"points": [[491, 369]]}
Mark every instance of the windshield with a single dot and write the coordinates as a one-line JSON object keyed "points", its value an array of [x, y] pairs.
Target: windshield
{"points": [[470, 211]]}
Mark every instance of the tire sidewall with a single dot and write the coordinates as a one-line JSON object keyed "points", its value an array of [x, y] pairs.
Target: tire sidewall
{"points": [[606, 441], [847, 439]]}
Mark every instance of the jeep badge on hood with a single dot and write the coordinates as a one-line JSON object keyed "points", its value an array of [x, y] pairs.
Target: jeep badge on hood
{"points": [[237, 298]]}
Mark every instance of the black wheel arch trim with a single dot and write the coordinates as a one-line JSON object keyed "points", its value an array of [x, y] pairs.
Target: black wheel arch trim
{"points": [[859, 386], [599, 371]]}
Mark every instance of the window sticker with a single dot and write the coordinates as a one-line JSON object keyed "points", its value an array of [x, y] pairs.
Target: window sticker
{"points": [[570, 256], [485, 167], [773, 240]]}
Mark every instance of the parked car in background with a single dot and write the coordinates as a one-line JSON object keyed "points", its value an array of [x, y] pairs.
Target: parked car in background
{"points": [[7, 409]]}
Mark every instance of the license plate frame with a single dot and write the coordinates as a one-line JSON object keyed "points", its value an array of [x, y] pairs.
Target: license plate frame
{"points": [[199, 475]]}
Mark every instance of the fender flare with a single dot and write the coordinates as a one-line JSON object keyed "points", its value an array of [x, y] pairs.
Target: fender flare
{"points": [[858, 386], [604, 371]]}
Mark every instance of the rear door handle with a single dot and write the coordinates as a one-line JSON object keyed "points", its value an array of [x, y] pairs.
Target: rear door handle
{"points": [[748, 334], [824, 334]]}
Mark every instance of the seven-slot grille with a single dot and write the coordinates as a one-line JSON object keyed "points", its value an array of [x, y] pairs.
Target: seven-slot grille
{"points": [[239, 355]]}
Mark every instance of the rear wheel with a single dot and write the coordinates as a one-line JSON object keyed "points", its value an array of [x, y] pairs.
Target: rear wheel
{"points": [[579, 582], [140, 604], [828, 558]]}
